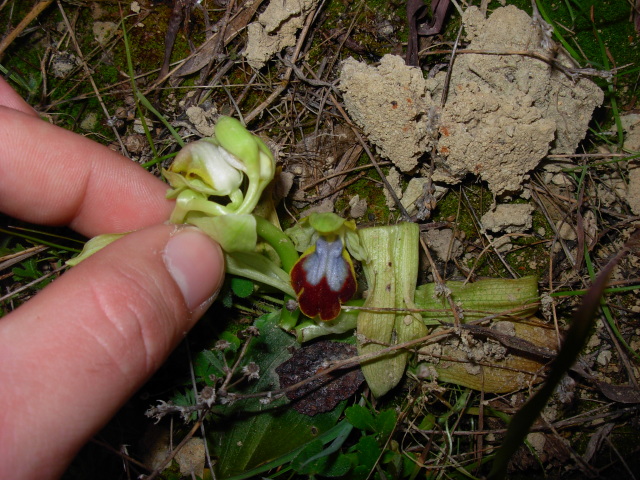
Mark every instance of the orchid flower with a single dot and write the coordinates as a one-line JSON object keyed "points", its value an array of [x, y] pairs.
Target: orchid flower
{"points": [[216, 167], [324, 278], [217, 183], [207, 179]]}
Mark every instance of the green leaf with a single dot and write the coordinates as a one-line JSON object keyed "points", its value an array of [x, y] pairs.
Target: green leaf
{"points": [[392, 273], [260, 269], [212, 362], [184, 399], [241, 287], [381, 423], [234, 232], [92, 246], [487, 295], [428, 422], [28, 270], [338, 466], [307, 462], [346, 321], [361, 418], [368, 453], [208, 363], [310, 461], [385, 422]]}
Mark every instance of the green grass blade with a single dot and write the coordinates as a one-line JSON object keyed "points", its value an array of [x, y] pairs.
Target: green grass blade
{"points": [[134, 88]]}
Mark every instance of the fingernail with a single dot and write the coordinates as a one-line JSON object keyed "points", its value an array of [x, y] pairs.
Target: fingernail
{"points": [[196, 264]]}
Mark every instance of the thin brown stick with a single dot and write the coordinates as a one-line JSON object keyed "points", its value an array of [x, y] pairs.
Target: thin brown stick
{"points": [[13, 34], [568, 71], [287, 76], [438, 278], [340, 187], [342, 172], [87, 71]]}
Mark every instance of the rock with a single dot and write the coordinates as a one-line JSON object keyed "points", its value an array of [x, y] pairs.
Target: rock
{"points": [[282, 185], [326, 206], [509, 218], [139, 128], [103, 31], [604, 357], [135, 143], [191, 458], [631, 125], [537, 441], [561, 179], [565, 231], [89, 122], [62, 63], [203, 120], [412, 193], [633, 189], [393, 177], [358, 206], [443, 243]]}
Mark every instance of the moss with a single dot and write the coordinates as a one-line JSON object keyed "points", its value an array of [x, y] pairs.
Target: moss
{"points": [[370, 187], [452, 206], [530, 253]]}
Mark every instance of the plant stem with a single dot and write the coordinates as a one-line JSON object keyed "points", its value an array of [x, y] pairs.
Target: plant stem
{"points": [[288, 256], [278, 241]]}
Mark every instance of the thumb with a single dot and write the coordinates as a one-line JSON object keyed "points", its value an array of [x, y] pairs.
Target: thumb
{"points": [[78, 350]]}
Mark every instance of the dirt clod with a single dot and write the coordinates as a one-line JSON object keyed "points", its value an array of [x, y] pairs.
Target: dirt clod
{"points": [[275, 29], [508, 218], [391, 103], [505, 110]]}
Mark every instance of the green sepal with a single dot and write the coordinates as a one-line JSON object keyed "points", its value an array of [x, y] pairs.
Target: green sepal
{"points": [[326, 223], [234, 232], [93, 245], [259, 268]]}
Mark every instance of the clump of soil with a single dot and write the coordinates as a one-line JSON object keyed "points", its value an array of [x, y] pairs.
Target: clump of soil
{"points": [[509, 218], [391, 103], [276, 29], [504, 112]]}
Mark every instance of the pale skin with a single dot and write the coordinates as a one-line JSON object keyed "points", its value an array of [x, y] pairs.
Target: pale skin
{"points": [[72, 355]]}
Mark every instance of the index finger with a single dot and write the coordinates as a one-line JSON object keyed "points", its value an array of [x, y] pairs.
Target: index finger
{"points": [[9, 98], [51, 176]]}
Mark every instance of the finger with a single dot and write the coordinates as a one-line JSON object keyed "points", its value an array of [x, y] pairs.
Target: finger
{"points": [[9, 98], [73, 354], [51, 176]]}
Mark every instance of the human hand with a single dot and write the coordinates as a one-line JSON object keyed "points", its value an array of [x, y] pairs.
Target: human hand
{"points": [[71, 356]]}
